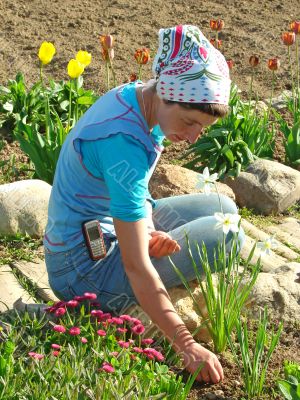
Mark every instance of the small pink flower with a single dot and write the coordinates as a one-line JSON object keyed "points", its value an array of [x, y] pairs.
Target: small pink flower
{"points": [[50, 309], [95, 304], [123, 344], [105, 316], [136, 321], [101, 332], [137, 349], [126, 317], [72, 303], [153, 353], [131, 341], [83, 340], [74, 331], [55, 346], [55, 353], [147, 341], [138, 329], [60, 311], [122, 330], [96, 313], [59, 328], [90, 296], [117, 321], [59, 304], [114, 353], [107, 367], [36, 356], [79, 298]]}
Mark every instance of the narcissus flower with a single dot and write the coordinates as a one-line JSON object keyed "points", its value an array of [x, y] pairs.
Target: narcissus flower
{"points": [[295, 27], [84, 57], [273, 64], [217, 43], [230, 63], [142, 56], [254, 61], [206, 181], [216, 24], [106, 41], [75, 68], [46, 52], [267, 245], [288, 38], [228, 222]]}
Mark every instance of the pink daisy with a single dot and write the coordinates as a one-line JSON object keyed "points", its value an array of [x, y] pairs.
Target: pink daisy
{"points": [[74, 331], [101, 332], [107, 367], [138, 329], [59, 328]]}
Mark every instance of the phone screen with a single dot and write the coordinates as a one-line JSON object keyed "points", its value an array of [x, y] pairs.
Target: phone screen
{"points": [[93, 233]]}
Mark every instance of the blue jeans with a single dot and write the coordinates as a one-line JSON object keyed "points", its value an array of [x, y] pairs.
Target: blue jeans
{"points": [[72, 272]]}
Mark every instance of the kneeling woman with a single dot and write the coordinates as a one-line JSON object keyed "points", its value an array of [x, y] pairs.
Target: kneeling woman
{"points": [[103, 173]]}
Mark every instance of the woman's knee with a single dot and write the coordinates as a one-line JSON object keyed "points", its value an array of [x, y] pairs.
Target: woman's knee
{"points": [[228, 205]]}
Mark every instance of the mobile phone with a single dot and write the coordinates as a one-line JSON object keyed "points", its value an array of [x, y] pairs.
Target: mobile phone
{"points": [[94, 239]]}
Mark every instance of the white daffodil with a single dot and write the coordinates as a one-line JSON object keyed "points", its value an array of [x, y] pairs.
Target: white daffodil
{"points": [[206, 181], [228, 222], [267, 245]]}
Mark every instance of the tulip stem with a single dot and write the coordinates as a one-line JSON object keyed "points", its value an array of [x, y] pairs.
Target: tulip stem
{"points": [[250, 93], [41, 73], [271, 97], [107, 75], [70, 106], [76, 104], [140, 72], [112, 71], [298, 67], [292, 76]]}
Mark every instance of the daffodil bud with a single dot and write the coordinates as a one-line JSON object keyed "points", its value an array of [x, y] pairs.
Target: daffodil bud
{"points": [[75, 68], [46, 52], [84, 57]]}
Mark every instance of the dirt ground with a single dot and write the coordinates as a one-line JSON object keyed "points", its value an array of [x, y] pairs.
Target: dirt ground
{"points": [[251, 27]]}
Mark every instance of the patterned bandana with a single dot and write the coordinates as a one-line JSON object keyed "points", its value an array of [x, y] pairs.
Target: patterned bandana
{"points": [[189, 68]]}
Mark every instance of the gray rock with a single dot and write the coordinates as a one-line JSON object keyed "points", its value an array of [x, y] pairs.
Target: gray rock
{"points": [[24, 207], [280, 101], [279, 290], [267, 187]]}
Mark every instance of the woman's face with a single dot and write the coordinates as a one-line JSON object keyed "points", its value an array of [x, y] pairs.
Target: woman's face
{"points": [[179, 123]]}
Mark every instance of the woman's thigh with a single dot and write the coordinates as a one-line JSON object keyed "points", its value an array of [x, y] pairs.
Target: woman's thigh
{"points": [[175, 211], [199, 231]]}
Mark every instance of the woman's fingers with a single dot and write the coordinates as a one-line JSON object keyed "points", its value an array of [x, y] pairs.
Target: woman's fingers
{"points": [[162, 246]]}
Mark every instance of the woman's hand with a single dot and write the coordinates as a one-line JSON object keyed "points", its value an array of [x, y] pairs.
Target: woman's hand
{"points": [[161, 244], [194, 355]]}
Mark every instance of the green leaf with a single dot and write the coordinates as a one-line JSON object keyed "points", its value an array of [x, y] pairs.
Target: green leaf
{"points": [[86, 100]]}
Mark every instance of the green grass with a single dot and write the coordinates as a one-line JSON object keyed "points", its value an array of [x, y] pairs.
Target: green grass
{"points": [[18, 247]]}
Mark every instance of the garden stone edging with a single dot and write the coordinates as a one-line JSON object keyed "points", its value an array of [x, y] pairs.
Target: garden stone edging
{"points": [[24, 207], [266, 186]]}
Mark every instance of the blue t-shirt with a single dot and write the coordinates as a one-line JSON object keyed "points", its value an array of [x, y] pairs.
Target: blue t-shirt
{"points": [[102, 158]]}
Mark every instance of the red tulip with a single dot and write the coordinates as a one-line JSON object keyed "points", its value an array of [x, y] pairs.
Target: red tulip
{"points": [[106, 41], [254, 61], [107, 54], [230, 63], [288, 38], [295, 27], [216, 43], [142, 56], [273, 64], [216, 24]]}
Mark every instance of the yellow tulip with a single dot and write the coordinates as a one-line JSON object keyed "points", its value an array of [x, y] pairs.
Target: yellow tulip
{"points": [[75, 68], [46, 52], [84, 57]]}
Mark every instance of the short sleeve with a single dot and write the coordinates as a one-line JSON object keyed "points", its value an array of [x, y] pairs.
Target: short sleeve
{"points": [[123, 164]]}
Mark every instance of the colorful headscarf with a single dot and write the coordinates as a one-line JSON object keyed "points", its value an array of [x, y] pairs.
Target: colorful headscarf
{"points": [[189, 69]]}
